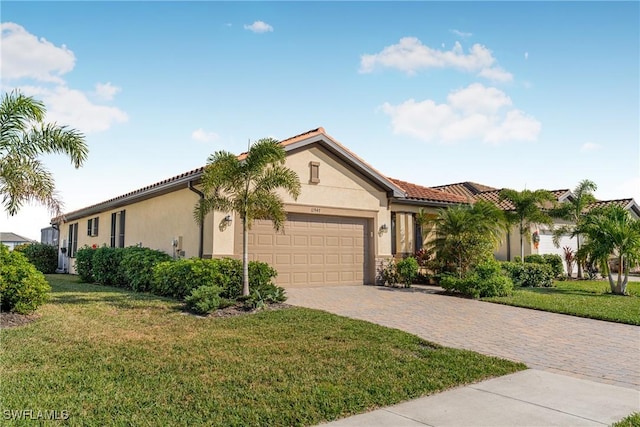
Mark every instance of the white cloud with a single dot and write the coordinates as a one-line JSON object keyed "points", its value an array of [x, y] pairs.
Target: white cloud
{"points": [[71, 107], [259, 27], [590, 146], [526, 56], [36, 67], [410, 55], [461, 33], [203, 136], [470, 114], [27, 56], [106, 91]]}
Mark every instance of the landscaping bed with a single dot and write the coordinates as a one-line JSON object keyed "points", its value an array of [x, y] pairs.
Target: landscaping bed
{"points": [[583, 298], [109, 356]]}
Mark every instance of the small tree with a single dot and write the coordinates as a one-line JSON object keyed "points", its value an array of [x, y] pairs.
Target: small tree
{"points": [[611, 232], [528, 209], [466, 235], [23, 138], [248, 187], [572, 210]]}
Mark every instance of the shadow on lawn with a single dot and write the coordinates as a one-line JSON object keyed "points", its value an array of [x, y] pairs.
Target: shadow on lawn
{"points": [[81, 293]]}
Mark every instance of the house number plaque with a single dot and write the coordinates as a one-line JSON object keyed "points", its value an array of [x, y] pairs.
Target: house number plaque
{"points": [[315, 210]]}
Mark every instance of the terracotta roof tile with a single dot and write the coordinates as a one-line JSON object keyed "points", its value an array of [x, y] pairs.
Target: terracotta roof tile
{"points": [[418, 192], [466, 189], [623, 203]]}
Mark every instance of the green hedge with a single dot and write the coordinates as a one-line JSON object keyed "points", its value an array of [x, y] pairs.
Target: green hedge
{"points": [[43, 257], [136, 267], [552, 260], [486, 280], [529, 274], [84, 264], [22, 287], [106, 267]]}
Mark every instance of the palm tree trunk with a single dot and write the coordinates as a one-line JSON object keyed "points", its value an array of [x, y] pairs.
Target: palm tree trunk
{"points": [[620, 273], [577, 261], [245, 257], [521, 243]]}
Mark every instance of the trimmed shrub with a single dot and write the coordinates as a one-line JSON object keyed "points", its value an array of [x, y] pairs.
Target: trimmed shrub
{"points": [[204, 299], [43, 257], [136, 267], [555, 262], [106, 266], [529, 274], [22, 287], [178, 278], [485, 280], [407, 270], [84, 264]]}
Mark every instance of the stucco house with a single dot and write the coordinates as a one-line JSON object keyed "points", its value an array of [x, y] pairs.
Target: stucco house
{"points": [[510, 246], [348, 219], [11, 240]]}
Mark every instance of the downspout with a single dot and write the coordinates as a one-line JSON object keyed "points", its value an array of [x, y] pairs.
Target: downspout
{"points": [[201, 224], [508, 245]]}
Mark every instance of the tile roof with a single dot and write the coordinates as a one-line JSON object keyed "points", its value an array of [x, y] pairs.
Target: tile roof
{"points": [[623, 203], [466, 189], [418, 192]]}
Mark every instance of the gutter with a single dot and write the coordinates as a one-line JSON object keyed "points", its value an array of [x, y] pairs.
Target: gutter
{"points": [[201, 224]]}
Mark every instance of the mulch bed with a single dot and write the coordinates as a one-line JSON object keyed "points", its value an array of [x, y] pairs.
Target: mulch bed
{"points": [[11, 320], [240, 310]]}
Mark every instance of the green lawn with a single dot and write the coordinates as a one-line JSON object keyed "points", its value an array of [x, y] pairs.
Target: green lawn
{"points": [[632, 420], [112, 357], [580, 298]]}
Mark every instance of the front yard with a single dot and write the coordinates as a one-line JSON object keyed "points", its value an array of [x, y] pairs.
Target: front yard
{"points": [[580, 298], [113, 357]]}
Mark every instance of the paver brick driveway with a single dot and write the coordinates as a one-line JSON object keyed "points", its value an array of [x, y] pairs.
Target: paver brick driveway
{"points": [[591, 349]]}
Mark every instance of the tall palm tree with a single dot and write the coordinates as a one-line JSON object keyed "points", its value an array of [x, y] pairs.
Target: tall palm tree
{"points": [[466, 235], [248, 187], [23, 138], [611, 232], [529, 208], [572, 211]]}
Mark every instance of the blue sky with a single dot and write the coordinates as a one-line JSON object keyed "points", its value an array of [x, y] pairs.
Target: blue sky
{"points": [[509, 94]]}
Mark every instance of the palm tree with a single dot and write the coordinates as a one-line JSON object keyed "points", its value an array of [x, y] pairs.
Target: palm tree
{"points": [[23, 138], [611, 232], [572, 211], [248, 187], [528, 209], [466, 235]]}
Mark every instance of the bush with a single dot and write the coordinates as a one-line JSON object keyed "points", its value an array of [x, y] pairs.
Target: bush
{"points": [[43, 257], [22, 287], [485, 280], [106, 266], [260, 296], [387, 273], [529, 274], [84, 264], [136, 267], [178, 278], [555, 262], [552, 260], [407, 270], [204, 299]]}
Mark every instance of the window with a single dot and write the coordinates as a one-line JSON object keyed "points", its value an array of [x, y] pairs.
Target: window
{"points": [[92, 227], [315, 172], [117, 229], [73, 240], [403, 233]]}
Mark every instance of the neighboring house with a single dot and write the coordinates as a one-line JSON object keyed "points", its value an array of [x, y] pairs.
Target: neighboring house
{"points": [[12, 240], [49, 236], [348, 219], [510, 248]]}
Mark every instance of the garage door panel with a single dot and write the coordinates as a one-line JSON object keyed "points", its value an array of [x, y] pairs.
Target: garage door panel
{"points": [[312, 250]]}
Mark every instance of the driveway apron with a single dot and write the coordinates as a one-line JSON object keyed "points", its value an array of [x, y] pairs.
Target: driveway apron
{"points": [[596, 350]]}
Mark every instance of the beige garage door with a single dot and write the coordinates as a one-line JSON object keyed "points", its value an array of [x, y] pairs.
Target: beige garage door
{"points": [[312, 251]]}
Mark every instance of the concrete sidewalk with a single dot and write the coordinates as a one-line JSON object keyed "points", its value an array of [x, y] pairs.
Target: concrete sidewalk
{"points": [[526, 398]]}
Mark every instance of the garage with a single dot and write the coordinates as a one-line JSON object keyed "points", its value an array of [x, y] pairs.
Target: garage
{"points": [[313, 250], [547, 247]]}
